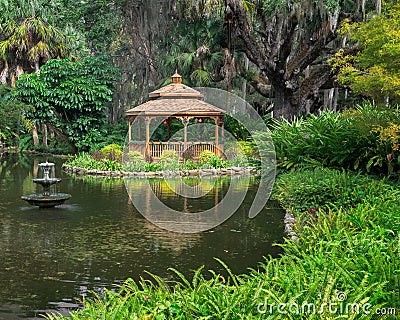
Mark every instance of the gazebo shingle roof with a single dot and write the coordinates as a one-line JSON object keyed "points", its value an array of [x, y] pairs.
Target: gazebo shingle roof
{"points": [[176, 99], [175, 106]]}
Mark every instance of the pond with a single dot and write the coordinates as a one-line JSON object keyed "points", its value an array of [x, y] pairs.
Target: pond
{"points": [[51, 258]]}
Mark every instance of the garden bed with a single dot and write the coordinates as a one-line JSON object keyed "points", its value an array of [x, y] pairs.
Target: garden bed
{"points": [[164, 173]]}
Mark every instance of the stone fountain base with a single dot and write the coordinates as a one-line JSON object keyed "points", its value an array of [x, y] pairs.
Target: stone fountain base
{"points": [[46, 201]]}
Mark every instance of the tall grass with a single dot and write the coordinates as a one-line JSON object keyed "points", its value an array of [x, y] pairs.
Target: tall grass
{"points": [[347, 254]]}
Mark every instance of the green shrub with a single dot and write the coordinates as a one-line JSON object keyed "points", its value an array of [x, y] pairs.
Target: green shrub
{"points": [[366, 138], [327, 140], [84, 160], [217, 162], [249, 149], [235, 154], [169, 160], [110, 165], [112, 152], [205, 156], [378, 131], [25, 142], [153, 167], [134, 161], [304, 191], [190, 165]]}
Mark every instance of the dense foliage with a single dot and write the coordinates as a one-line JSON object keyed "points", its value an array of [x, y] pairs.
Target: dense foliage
{"points": [[12, 119], [364, 138], [110, 158], [281, 64], [70, 97], [374, 71], [348, 254]]}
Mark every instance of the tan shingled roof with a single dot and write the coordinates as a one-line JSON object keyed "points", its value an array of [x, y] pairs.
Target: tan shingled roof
{"points": [[174, 90], [175, 107], [176, 99]]}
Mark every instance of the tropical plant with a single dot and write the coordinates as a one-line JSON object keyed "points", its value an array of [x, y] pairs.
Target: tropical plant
{"points": [[217, 162], [112, 152], [70, 97], [12, 119], [199, 53], [153, 167], [378, 138], [190, 165], [205, 156], [169, 160], [29, 43], [373, 71], [134, 161], [361, 138]]}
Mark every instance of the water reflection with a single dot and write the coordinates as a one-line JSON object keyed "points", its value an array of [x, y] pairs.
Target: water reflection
{"points": [[51, 257], [188, 205]]}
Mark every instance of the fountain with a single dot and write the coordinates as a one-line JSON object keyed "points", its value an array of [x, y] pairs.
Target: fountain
{"points": [[46, 199]]}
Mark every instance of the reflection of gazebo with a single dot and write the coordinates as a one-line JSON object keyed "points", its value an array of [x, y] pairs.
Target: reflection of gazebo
{"points": [[174, 101]]}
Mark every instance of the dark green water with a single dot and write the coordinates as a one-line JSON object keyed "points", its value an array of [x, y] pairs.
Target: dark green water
{"points": [[51, 258]]}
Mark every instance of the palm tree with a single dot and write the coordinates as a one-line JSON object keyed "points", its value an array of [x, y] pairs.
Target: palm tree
{"points": [[24, 47], [197, 50], [29, 44]]}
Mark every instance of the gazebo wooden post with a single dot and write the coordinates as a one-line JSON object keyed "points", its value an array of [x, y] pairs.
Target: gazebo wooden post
{"points": [[140, 129], [222, 135], [185, 121], [129, 130], [216, 137], [147, 148], [169, 127]]}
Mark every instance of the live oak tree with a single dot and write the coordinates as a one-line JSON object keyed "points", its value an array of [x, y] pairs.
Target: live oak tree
{"points": [[289, 42]]}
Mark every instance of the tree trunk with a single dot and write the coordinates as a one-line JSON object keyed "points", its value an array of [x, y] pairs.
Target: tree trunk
{"points": [[52, 135], [335, 99], [15, 75], [283, 108], [379, 7], [37, 66], [4, 73], [35, 135], [44, 135], [244, 84], [63, 137]]}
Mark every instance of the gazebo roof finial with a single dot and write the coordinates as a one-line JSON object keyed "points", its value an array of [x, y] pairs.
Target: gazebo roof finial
{"points": [[176, 78]]}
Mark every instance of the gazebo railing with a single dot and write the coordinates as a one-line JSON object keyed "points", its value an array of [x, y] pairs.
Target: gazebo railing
{"points": [[193, 148]]}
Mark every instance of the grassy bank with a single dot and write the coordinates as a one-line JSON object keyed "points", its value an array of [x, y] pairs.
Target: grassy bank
{"points": [[347, 254]]}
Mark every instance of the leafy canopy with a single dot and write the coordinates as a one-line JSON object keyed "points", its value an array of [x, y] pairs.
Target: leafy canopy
{"points": [[375, 70], [11, 114], [71, 97]]}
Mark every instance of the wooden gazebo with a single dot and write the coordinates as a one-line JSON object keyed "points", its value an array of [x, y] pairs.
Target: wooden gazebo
{"points": [[171, 102]]}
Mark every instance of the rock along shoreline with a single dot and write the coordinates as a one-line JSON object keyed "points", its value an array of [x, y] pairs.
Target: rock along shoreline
{"points": [[156, 174]]}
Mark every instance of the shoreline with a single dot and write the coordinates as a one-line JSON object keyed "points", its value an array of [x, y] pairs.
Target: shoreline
{"points": [[232, 171]]}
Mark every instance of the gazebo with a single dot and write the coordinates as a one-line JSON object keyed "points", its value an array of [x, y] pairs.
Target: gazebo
{"points": [[178, 102]]}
